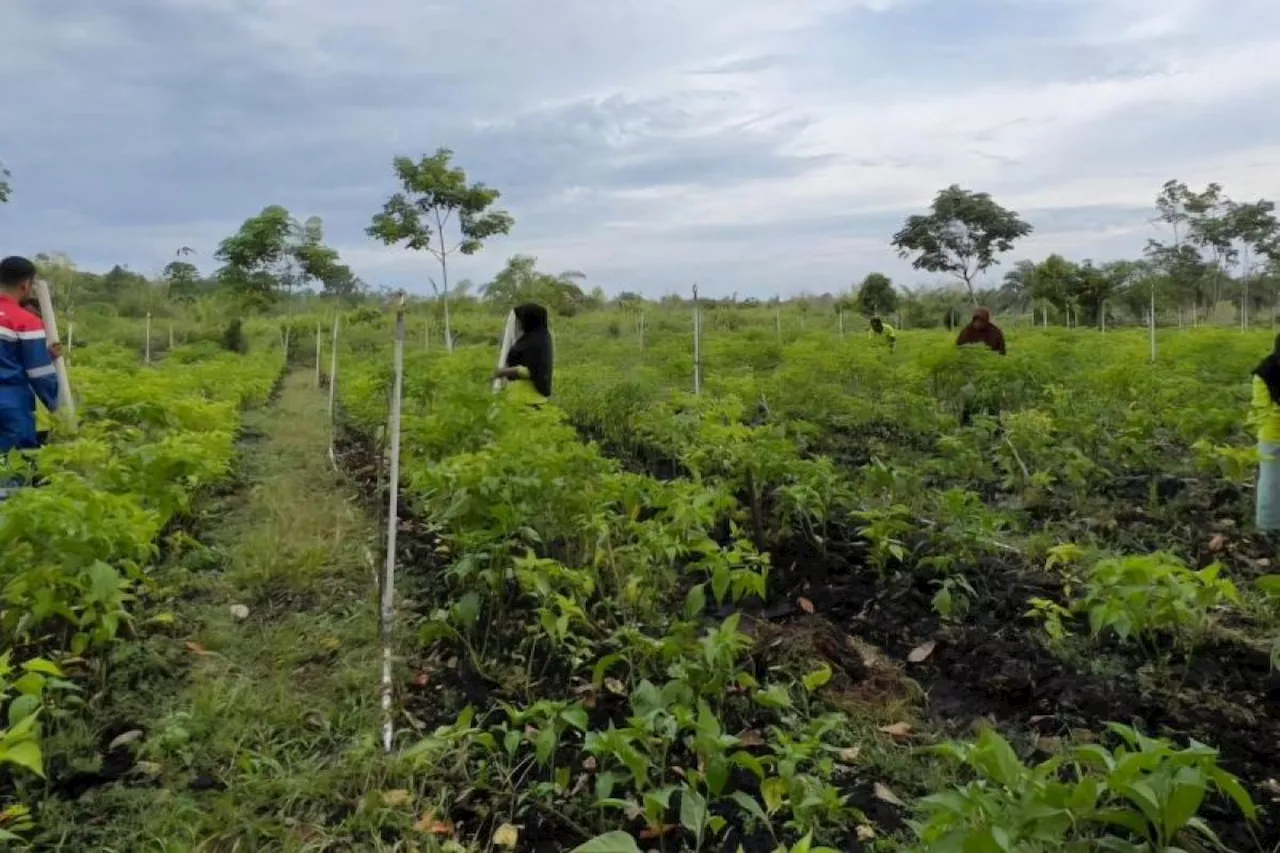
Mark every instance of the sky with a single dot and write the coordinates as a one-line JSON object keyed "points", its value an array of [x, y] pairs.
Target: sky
{"points": [[756, 147]]}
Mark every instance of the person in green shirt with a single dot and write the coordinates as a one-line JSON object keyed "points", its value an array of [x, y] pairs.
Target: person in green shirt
{"points": [[529, 362], [1264, 416], [882, 330]]}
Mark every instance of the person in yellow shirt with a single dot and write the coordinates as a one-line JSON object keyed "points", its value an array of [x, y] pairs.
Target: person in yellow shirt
{"points": [[529, 362], [1264, 415], [883, 331]]}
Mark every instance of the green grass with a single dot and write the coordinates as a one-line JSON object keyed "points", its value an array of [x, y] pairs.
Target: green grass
{"points": [[279, 709]]}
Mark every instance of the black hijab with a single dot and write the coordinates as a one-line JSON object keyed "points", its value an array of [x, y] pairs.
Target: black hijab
{"points": [[1268, 370], [533, 348]]}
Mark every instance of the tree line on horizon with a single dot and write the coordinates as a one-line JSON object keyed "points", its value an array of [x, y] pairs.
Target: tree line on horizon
{"points": [[1214, 249]]}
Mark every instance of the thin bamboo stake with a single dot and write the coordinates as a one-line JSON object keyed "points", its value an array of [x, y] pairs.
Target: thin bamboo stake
{"points": [[66, 403], [146, 359], [319, 352], [171, 336], [387, 611], [841, 321]]}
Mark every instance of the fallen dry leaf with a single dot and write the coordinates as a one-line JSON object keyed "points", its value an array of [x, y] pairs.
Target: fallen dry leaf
{"points": [[506, 836], [430, 824], [651, 832], [897, 730], [395, 797], [751, 737], [922, 651], [850, 754], [1218, 542], [883, 794], [865, 832], [805, 604]]}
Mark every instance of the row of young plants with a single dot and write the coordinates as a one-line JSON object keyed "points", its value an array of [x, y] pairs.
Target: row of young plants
{"points": [[572, 577], [930, 510], [77, 542]]}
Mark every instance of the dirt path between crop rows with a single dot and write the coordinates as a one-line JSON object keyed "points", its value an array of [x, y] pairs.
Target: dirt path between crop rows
{"points": [[251, 722]]}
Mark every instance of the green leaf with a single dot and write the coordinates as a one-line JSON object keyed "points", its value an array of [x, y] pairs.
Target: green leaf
{"points": [[25, 754], [774, 791], [817, 679], [610, 842], [750, 805], [1189, 787], [43, 666], [544, 745], [695, 603], [22, 707], [693, 811], [1231, 786]]}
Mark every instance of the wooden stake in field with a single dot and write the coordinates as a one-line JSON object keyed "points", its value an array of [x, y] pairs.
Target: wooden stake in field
{"points": [[426, 334], [319, 352], [146, 358], [840, 320], [170, 336], [1044, 316], [777, 321], [697, 343], [66, 403], [640, 330], [387, 611], [333, 391], [1102, 317]]}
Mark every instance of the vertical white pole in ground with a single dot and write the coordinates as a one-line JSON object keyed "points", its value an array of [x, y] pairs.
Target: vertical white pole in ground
{"points": [[1244, 316], [640, 329], [393, 511], [1179, 316], [171, 336], [426, 334], [1102, 317], [319, 352], [66, 403], [841, 321], [333, 369], [1044, 316], [1152, 322], [901, 328], [508, 339], [1195, 314], [777, 322], [697, 344], [146, 359]]}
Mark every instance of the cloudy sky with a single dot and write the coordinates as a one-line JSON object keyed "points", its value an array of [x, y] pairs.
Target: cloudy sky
{"points": [[757, 146]]}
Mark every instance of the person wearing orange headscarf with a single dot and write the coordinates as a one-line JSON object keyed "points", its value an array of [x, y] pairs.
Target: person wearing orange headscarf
{"points": [[982, 331]]}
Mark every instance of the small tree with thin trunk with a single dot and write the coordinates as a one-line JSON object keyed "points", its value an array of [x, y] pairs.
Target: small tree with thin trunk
{"points": [[962, 234], [435, 201]]}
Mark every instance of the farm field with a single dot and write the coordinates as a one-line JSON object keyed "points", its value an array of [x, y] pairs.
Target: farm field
{"points": [[752, 617], [843, 598]]}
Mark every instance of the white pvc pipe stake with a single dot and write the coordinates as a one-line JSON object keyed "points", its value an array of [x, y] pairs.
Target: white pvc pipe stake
{"points": [[697, 344], [66, 403], [393, 509], [170, 337], [1153, 324], [840, 315], [508, 340], [318, 352], [333, 368], [147, 357]]}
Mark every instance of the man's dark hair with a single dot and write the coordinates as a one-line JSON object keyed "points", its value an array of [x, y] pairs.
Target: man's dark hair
{"points": [[15, 270]]}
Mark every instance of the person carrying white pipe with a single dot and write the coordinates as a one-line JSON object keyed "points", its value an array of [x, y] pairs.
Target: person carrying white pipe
{"points": [[529, 362], [26, 359]]}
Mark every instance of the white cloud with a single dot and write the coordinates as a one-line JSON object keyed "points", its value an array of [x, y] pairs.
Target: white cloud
{"points": [[751, 141]]}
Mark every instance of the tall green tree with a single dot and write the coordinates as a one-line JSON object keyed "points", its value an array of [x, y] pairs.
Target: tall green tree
{"points": [[876, 295], [258, 259], [521, 281], [437, 211], [183, 279], [961, 235]]}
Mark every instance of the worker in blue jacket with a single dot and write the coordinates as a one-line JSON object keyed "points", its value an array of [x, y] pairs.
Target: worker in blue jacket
{"points": [[26, 359]]}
